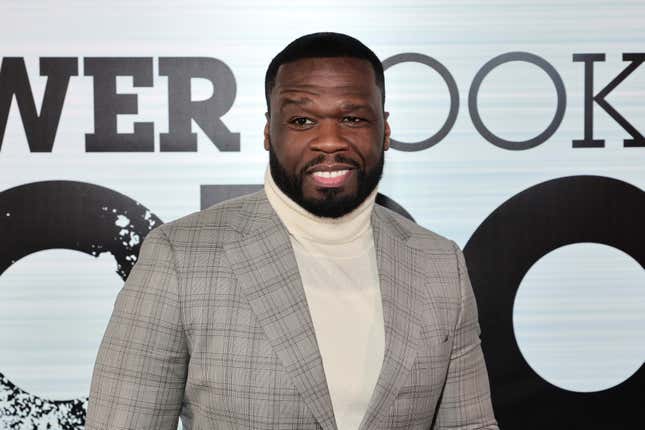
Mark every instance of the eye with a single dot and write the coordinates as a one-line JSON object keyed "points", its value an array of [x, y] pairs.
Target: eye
{"points": [[301, 121], [352, 119]]}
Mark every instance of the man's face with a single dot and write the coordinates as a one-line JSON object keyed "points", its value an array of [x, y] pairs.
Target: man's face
{"points": [[326, 133]]}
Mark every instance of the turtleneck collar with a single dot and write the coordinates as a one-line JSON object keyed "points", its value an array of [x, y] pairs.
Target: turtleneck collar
{"points": [[306, 227]]}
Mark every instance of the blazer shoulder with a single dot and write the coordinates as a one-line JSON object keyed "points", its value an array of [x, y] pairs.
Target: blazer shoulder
{"points": [[216, 224], [416, 235]]}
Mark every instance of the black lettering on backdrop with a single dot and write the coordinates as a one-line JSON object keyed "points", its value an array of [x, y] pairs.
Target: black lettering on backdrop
{"points": [[452, 90], [206, 113], [500, 252], [559, 90], [108, 104], [588, 141], [600, 98], [72, 215], [39, 129], [65, 215]]}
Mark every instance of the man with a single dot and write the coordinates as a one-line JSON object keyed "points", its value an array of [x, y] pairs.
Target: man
{"points": [[305, 305]]}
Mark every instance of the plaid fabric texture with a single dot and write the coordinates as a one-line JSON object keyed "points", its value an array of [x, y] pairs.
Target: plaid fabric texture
{"points": [[213, 325]]}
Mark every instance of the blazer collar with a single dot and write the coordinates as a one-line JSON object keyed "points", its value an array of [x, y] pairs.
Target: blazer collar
{"points": [[264, 262], [400, 286]]}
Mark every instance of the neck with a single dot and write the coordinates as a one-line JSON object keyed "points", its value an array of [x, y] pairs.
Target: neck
{"points": [[305, 226]]}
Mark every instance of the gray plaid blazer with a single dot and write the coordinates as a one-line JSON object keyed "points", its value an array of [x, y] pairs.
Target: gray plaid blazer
{"points": [[212, 325]]}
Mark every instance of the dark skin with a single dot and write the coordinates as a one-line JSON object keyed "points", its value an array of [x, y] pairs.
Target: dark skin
{"points": [[326, 123]]}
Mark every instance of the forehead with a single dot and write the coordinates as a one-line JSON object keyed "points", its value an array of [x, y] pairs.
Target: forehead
{"points": [[328, 76]]}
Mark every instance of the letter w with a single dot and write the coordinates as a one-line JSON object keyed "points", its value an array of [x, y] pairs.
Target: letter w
{"points": [[40, 129]]}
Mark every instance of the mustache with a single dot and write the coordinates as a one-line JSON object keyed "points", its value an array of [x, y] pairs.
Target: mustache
{"points": [[338, 158]]}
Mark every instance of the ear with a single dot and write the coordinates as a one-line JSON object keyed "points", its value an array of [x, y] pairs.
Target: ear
{"points": [[386, 140], [267, 138]]}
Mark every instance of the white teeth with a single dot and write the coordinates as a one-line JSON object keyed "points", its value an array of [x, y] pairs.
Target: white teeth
{"points": [[332, 174]]}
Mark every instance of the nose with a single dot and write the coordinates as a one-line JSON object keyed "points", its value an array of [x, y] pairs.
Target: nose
{"points": [[329, 138]]}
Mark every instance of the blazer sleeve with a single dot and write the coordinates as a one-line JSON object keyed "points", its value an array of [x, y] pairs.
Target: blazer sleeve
{"points": [[466, 403], [140, 371]]}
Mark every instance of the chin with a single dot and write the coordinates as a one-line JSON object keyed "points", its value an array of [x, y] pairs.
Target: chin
{"points": [[332, 204]]}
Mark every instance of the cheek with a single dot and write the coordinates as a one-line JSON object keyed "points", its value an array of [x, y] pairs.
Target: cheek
{"points": [[290, 152], [371, 147]]}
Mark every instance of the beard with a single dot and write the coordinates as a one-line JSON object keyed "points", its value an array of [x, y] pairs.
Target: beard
{"points": [[332, 205]]}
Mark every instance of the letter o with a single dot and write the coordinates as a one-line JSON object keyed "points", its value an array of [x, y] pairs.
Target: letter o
{"points": [[454, 99], [559, 89], [508, 242], [68, 215]]}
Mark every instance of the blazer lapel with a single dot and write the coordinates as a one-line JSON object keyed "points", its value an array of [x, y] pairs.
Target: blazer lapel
{"points": [[399, 284], [268, 275]]}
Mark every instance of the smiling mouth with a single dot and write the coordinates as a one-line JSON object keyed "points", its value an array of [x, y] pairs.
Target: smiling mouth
{"points": [[331, 178]]}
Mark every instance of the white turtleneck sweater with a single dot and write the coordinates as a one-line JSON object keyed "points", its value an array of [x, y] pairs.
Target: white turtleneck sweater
{"points": [[337, 263]]}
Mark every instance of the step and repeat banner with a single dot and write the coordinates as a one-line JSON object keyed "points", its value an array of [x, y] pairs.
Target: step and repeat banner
{"points": [[518, 130]]}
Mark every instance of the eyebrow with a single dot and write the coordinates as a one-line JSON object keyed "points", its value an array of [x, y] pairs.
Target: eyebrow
{"points": [[345, 107], [295, 101]]}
